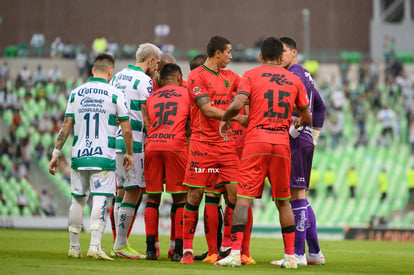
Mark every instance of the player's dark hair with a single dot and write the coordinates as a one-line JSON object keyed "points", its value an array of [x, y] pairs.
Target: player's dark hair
{"points": [[169, 70], [103, 62], [216, 43], [198, 60], [272, 48], [288, 42]]}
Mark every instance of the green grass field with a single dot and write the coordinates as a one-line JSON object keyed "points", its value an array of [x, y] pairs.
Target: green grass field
{"points": [[45, 252]]}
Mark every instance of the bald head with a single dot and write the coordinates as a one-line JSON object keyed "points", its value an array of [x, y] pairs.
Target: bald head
{"points": [[166, 58]]}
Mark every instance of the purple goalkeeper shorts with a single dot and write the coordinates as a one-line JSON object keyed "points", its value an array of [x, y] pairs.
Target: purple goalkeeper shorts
{"points": [[302, 154]]}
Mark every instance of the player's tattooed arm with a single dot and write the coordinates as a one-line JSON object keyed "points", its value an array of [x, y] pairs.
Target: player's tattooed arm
{"points": [[64, 132], [205, 107]]}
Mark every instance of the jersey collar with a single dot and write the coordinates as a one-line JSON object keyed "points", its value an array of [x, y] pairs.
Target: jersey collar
{"points": [[211, 71], [135, 68], [97, 79]]}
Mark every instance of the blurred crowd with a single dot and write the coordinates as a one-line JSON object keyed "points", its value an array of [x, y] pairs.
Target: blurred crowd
{"points": [[33, 104]]}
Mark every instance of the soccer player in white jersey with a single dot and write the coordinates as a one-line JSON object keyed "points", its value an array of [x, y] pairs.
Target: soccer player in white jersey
{"points": [[92, 111], [136, 84]]}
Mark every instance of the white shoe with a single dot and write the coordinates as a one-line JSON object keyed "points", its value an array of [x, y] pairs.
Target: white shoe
{"points": [[289, 262], [75, 252], [300, 261], [316, 259], [231, 260], [98, 255]]}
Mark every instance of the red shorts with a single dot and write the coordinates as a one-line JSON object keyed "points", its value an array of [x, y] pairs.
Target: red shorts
{"points": [[211, 166], [261, 160], [168, 166]]}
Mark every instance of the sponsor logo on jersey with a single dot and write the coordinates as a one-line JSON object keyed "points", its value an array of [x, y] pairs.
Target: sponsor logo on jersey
{"points": [[278, 78], [86, 91], [220, 102], [167, 94]]}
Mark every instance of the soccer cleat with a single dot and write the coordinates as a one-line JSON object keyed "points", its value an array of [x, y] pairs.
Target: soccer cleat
{"points": [[98, 255], [300, 261], [247, 260], [231, 260], [151, 255], [176, 257], [201, 256], [75, 252], [225, 253], [187, 258], [128, 253], [211, 259], [113, 253], [289, 262], [316, 259]]}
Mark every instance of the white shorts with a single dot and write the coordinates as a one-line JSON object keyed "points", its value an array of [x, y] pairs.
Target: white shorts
{"points": [[134, 177], [85, 182]]}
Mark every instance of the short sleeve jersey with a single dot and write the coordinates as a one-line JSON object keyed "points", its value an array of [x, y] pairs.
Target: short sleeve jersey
{"points": [[272, 92], [168, 110], [218, 87], [137, 87], [94, 107]]}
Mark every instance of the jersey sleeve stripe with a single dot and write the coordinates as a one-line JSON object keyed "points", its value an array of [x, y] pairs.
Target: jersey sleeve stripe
{"points": [[243, 93], [198, 97], [72, 97], [123, 117], [304, 107]]}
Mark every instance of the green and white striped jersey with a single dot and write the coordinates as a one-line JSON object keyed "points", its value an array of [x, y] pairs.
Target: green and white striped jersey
{"points": [[94, 107], [137, 87]]}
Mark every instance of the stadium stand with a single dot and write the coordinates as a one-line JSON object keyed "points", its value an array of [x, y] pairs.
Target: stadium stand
{"points": [[331, 211]]}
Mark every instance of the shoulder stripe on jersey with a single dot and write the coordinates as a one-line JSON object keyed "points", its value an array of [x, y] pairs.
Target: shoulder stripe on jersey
{"points": [[136, 104], [136, 83], [111, 142], [72, 97], [112, 120], [114, 98]]}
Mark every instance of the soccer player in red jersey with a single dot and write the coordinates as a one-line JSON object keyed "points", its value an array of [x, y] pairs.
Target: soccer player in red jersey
{"points": [[166, 154], [166, 58], [272, 91], [211, 160]]}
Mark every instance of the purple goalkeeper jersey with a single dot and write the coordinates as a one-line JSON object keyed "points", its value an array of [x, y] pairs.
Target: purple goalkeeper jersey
{"points": [[302, 146], [316, 105]]}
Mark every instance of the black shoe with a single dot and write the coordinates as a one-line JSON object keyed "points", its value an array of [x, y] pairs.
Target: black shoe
{"points": [[151, 255], [176, 257], [201, 257], [224, 254]]}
